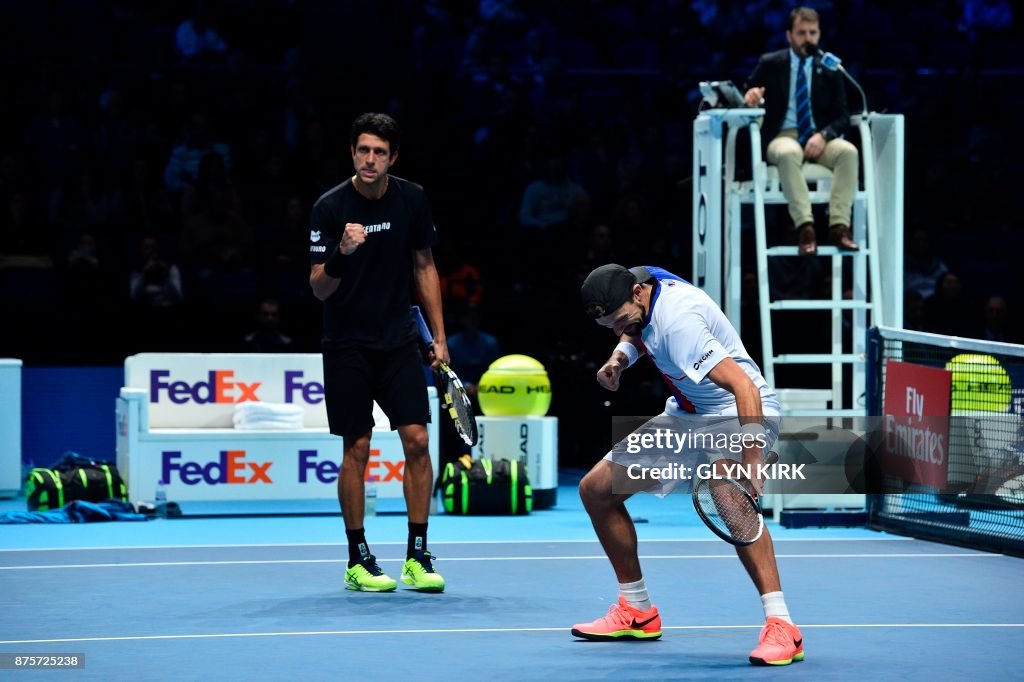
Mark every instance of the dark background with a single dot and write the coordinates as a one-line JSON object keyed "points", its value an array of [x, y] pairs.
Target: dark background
{"points": [[95, 96]]}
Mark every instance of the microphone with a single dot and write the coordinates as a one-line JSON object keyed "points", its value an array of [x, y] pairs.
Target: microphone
{"points": [[834, 63]]}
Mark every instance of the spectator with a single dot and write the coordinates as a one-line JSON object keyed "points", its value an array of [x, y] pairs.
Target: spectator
{"points": [[459, 279], [155, 283], [141, 206], [547, 200], [947, 311], [267, 337], [913, 310], [286, 240], [196, 39], [211, 190], [214, 235], [996, 321], [24, 240], [923, 268], [113, 138], [56, 136], [472, 350], [598, 251], [183, 164]]}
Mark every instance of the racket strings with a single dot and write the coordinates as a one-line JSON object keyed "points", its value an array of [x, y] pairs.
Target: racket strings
{"points": [[727, 505], [459, 406]]}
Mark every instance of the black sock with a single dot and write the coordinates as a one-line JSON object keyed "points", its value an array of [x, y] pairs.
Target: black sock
{"points": [[417, 539], [357, 547]]}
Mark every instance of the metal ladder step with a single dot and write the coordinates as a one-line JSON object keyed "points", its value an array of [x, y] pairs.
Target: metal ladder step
{"points": [[822, 251], [844, 412], [816, 358], [819, 304]]}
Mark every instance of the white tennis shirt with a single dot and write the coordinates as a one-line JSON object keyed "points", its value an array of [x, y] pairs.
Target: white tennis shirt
{"points": [[686, 334]]}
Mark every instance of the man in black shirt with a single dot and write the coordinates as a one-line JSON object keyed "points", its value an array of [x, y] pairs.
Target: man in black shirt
{"points": [[370, 237]]}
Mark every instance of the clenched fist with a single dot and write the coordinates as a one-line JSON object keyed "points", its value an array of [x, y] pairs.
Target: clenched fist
{"points": [[352, 238], [609, 374]]}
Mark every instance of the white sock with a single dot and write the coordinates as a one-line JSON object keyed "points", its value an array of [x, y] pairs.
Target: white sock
{"points": [[636, 594], [775, 605]]}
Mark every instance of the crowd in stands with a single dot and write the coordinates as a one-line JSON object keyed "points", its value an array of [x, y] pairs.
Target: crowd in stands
{"points": [[158, 162]]}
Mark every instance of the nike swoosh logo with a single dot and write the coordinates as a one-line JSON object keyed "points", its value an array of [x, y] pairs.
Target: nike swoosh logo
{"points": [[635, 624], [798, 643]]}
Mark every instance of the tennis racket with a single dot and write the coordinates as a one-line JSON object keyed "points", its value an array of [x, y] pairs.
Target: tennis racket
{"points": [[456, 401], [728, 507]]}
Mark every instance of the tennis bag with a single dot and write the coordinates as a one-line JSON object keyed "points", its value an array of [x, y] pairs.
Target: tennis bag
{"points": [[74, 477], [486, 487]]}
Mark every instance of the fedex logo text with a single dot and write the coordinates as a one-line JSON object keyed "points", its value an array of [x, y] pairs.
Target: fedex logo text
{"points": [[230, 468], [218, 388], [312, 392], [326, 471]]}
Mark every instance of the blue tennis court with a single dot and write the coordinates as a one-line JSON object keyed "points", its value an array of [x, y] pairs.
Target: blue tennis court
{"points": [[247, 598]]}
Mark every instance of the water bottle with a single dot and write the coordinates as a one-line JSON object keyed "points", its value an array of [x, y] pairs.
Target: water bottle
{"points": [[371, 496], [160, 499]]}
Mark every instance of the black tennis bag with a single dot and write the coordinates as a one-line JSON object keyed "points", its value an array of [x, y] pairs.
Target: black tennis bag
{"points": [[486, 487], [74, 477]]}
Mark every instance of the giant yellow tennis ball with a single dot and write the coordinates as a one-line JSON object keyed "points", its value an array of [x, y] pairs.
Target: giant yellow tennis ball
{"points": [[514, 385], [979, 383]]}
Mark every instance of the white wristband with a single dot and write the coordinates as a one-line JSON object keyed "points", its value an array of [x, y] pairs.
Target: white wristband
{"points": [[630, 351]]}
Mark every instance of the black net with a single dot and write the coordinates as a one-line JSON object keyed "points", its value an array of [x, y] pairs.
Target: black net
{"points": [[981, 504]]}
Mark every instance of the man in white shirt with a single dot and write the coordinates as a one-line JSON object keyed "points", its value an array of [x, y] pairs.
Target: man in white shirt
{"points": [[702, 359]]}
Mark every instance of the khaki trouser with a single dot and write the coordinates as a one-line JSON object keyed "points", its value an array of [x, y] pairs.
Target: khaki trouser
{"points": [[839, 156]]}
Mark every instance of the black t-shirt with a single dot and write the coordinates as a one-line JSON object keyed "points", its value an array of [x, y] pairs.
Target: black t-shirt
{"points": [[371, 306]]}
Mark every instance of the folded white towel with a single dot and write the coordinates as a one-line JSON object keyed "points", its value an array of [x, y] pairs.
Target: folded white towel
{"points": [[277, 424], [256, 415], [252, 408]]}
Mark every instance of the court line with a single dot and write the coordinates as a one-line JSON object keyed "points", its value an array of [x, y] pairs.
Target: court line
{"points": [[459, 631], [235, 562], [434, 542]]}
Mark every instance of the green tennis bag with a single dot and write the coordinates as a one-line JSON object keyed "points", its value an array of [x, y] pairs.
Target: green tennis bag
{"points": [[486, 487], [74, 477]]}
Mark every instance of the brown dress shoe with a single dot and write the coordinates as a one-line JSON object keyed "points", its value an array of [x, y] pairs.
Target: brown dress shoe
{"points": [[840, 237], [807, 242]]}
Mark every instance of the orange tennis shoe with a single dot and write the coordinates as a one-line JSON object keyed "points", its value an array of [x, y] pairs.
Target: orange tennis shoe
{"points": [[622, 622], [780, 643]]}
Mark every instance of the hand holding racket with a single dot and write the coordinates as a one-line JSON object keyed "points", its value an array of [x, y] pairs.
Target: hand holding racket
{"points": [[730, 506], [456, 401]]}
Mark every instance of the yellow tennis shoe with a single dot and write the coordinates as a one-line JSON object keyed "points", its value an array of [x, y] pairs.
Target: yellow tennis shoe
{"points": [[367, 576], [419, 572]]}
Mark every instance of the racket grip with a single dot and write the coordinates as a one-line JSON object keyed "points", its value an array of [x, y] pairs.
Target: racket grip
{"points": [[421, 323]]}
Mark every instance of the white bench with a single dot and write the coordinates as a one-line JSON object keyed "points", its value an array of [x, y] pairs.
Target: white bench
{"points": [[174, 423], [10, 427]]}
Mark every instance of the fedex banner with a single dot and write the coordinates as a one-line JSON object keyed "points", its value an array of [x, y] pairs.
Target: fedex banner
{"points": [[200, 390], [214, 463], [916, 448]]}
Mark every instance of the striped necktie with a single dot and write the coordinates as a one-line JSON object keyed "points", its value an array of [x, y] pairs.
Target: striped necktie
{"points": [[803, 104]]}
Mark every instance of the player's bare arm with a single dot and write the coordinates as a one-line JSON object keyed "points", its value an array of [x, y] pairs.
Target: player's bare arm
{"points": [[428, 287], [323, 284], [730, 376], [610, 374]]}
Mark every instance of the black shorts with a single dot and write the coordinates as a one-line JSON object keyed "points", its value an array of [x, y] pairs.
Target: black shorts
{"points": [[355, 377]]}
